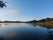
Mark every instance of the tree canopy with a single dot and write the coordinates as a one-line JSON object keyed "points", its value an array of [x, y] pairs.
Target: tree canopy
{"points": [[2, 4]]}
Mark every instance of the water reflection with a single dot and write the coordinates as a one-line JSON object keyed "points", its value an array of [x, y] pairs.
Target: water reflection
{"points": [[47, 26], [23, 31], [50, 30], [32, 24], [2, 38]]}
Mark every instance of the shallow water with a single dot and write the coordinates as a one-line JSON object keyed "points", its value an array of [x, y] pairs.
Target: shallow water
{"points": [[25, 31]]}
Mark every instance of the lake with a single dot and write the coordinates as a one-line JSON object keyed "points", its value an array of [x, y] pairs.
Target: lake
{"points": [[25, 31]]}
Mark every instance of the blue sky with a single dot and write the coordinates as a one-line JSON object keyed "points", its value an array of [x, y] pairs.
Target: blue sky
{"points": [[25, 10]]}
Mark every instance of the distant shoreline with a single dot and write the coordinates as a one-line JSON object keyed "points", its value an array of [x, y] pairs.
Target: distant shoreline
{"points": [[47, 22]]}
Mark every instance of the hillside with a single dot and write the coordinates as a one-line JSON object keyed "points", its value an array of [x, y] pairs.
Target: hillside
{"points": [[47, 22]]}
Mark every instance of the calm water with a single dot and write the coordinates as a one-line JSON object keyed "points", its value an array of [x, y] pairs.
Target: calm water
{"points": [[23, 31]]}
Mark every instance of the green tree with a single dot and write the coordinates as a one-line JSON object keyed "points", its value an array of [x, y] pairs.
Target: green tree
{"points": [[2, 4]]}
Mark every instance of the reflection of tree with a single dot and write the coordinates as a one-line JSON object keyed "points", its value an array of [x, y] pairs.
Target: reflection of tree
{"points": [[32, 24], [47, 26], [1, 38], [51, 35]]}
